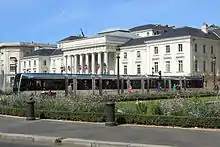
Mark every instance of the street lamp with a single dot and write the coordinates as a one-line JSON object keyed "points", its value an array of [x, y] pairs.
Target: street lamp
{"points": [[118, 68], [214, 72]]}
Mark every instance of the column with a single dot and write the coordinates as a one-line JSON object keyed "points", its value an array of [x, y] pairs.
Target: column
{"points": [[81, 63], [93, 63], [87, 63], [106, 62], [71, 64], [66, 66], [75, 64], [99, 62]]}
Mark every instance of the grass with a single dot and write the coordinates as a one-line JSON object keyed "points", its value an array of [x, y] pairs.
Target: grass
{"points": [[132, 104]]}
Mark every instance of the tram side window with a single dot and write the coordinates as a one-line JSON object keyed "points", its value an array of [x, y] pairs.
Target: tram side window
{"points": [[85, 84], [136, 84]]}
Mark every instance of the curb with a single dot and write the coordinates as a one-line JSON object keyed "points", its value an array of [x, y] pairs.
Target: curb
{"points": [[34, 139]]}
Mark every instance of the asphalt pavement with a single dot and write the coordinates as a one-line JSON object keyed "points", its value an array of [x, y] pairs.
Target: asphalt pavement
{"points": [[124, 133]]}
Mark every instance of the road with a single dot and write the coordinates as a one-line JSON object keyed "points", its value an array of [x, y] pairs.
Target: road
{"points": [[124, 133]]}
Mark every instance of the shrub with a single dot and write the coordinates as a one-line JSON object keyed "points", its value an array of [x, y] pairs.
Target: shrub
{"points": [[180, 121]]}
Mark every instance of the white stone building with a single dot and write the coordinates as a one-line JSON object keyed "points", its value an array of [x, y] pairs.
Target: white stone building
{"points": [[11, 54], [144, 50], [94, 55], [176, 52], [39, 61]]}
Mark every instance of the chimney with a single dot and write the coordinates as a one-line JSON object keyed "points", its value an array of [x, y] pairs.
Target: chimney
{"points": [[204, 28]]}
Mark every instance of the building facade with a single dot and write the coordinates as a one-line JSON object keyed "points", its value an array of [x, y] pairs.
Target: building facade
{"points": [[144, 50], [11, 54], [178, 52]]}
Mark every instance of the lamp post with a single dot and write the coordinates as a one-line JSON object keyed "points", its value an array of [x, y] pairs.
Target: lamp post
{"points": [[214, 72], [118, 68]]}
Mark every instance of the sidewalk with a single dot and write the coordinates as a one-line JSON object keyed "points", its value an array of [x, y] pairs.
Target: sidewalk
{"points": [[124, 133]]}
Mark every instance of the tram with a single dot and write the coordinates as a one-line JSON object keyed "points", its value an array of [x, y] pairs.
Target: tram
{"points": [[56, 81]]}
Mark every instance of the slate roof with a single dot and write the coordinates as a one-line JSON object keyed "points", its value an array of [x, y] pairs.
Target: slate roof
{"points": [[216, 31], [45, 52], [71, 38], [150, 26], [178, 32]]}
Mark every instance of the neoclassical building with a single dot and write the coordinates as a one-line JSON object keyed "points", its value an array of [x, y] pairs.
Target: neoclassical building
{"points": [[144, 50]]}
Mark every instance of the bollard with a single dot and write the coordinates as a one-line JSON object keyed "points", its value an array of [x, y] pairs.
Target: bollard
{"points": [[110, 112], [30, 109]]}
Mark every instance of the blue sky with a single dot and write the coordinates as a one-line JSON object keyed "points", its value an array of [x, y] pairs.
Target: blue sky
{"points": [[49, 21]]}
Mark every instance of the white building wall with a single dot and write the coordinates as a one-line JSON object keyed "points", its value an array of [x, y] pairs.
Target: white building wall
{"points": [[39, 67], [148, 57], [55, 63], [200, 56], [174, 56], [132, 60]]}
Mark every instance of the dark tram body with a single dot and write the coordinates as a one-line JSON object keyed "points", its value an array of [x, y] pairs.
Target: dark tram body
{"points": [[54, 81]]}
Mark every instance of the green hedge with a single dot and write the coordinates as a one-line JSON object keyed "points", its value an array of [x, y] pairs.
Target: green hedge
{"points": [[158, 95], [181, 121], [59, 115]]}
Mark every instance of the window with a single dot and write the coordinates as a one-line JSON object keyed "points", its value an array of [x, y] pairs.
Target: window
{"points": [[204, 48], [125, 55], [180, 47], [195, 48], [196, 66], [125, 69], [24, 64], [155, 50], [29, 63], [12, 68], [45, 62], [34, 62], [212, 49], [180, 62], [204, 66], [167, 49], [138, 69], [54, 71], [155, 67], [167, 66], [138, 54], [34, 71], [148, 34]]}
